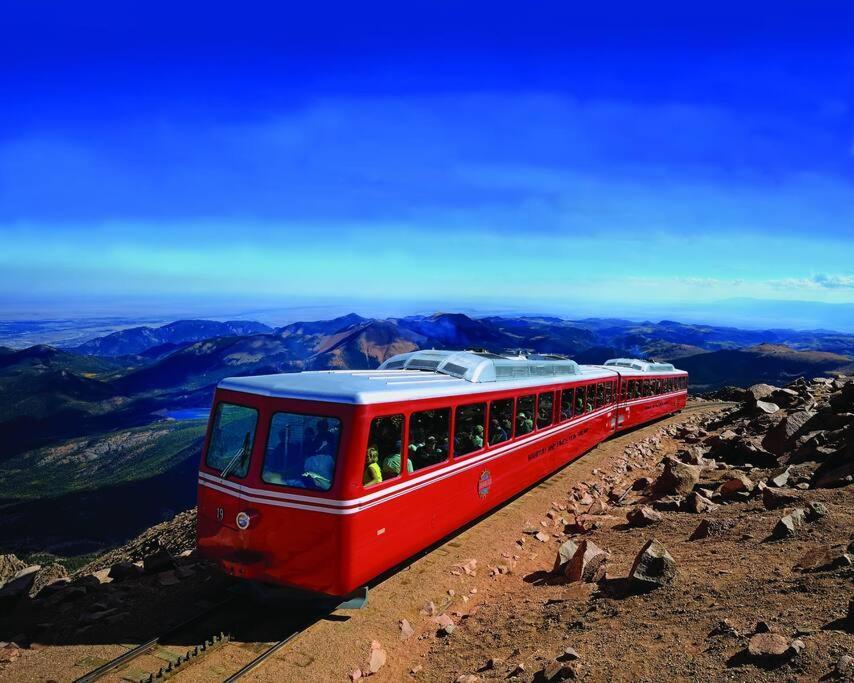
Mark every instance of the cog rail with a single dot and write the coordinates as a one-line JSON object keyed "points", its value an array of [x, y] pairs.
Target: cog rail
{"points": [[147, 646]]}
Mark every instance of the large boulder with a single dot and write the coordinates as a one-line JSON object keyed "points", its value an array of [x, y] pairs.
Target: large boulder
{"points": [[643, 516], [780, 477], [20, 583], [779, 439], [677, 478], [124, 570], [837, 469], [698, 504], [785, 397], [759, 391], [766, 407], [564, 555], [768, 646], [788, 525], [47, 576], [9, 566], [588, 564], [653, 567], [737, 482]]}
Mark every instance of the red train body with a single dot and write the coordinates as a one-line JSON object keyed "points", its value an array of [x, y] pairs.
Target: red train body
{"points": [[333, 534]]}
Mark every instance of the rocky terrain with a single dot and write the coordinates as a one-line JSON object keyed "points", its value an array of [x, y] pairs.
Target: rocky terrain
{"points": [[717, 544]]}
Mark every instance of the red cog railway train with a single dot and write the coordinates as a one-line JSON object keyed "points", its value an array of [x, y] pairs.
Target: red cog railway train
{"points": [[324, 480]]}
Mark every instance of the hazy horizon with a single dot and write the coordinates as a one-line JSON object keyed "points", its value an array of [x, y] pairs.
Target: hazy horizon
{"points": [[742, 313]]}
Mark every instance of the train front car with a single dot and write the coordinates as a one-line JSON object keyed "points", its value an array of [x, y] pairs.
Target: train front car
{"points": [[268, 496]]}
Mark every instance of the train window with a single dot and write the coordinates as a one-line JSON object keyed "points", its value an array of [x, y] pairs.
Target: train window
{"points": [[545, 409], [591, 397], [429, 432], [600, 394], [500, 421], [608, 389], [231, 439], [524, 415], [301, 451], [580, 401], [636, 388], [566, 400], [382, 459], [468, 428]]}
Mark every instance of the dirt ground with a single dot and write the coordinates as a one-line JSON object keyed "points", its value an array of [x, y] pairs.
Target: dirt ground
{"points": [[512, 612]]}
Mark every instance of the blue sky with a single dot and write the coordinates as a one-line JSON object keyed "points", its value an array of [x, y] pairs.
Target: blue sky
{"points": [[450, 152]]}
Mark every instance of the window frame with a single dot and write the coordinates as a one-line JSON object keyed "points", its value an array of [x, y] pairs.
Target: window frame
{"points": [[448, 456], [581, 393], [251, 449], [512, 435], [563, 390], [551, 421], [335, 468], [452, 442], [519, 397], [403, 446]]}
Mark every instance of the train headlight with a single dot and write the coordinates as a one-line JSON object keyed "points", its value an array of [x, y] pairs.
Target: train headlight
{"points": [[243, 520]]}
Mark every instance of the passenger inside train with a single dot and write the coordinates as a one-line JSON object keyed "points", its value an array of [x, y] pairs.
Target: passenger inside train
{"points": [[429, 437], [373, 474]]}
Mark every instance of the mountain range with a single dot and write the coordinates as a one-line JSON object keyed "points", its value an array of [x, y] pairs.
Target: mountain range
{"points": [[76, 423]]}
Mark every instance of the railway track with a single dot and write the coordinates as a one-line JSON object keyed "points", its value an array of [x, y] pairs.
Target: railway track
{"points": [[121, 667]]}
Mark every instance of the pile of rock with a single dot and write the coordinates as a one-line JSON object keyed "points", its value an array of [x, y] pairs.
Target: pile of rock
{"points": [[176, 536], [804, 423], [18, 579]]}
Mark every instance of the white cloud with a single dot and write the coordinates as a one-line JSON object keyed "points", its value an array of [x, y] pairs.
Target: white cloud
{"points": [[820, 281]]}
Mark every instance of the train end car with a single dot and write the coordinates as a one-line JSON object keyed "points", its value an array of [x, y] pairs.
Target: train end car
{"points": [[648, 390]]}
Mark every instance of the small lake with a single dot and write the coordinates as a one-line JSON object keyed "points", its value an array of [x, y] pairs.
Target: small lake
{"points": [[185, 413]]}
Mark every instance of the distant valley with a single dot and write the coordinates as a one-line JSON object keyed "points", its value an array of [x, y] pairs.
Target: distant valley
{"points": [[84, 426]]}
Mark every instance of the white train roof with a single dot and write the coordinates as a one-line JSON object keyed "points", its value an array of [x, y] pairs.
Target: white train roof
{"points": [[471, 376], [640, 365], [481, 366]]}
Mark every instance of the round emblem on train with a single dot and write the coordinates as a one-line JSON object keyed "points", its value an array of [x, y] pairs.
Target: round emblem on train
{"points": [[484, 484]]}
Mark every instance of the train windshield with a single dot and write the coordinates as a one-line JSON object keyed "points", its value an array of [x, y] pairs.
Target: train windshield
{"points": [[231, 439], [301, 451]]}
